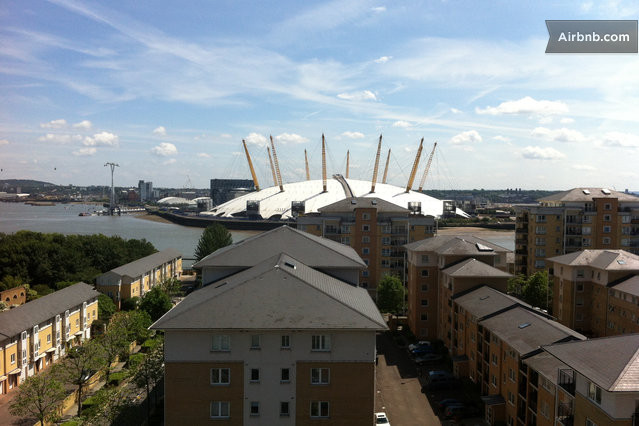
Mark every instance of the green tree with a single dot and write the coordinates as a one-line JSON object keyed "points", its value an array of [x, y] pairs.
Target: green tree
{"points": [[130, 304], [149, 373], [106, 307], [516, 285], [536, 291], [137, 325], [39, 396], [114, 341], [214, 237], [390, 294], [156, 303], [80, 364], [171, 286]]}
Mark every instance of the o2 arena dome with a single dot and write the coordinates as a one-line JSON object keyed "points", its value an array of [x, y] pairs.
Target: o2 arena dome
{"points": [[271, 203]]}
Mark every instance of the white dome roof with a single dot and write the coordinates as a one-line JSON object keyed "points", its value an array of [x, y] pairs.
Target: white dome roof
{"points": [[274, 203], [174, 201]]}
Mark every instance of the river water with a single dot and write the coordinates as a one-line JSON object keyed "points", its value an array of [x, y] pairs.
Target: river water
{"points": [[65, 219]]}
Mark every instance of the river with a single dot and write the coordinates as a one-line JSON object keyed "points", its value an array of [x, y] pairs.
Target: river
{"points": [[65, 219]]}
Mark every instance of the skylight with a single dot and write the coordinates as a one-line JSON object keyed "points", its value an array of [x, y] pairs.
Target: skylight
{"points": [[524, 325], [482, 247], [484, 297], [621, 261], [606, 191], [289, 264], [585, 191]]}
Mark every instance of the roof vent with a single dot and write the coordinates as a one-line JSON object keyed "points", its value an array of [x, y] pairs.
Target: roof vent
{"points": [[621, 261], [585, 191], [353, 201], [220, 285], [289, 264], [484, 297], [524, 325], [605, 191], [374, 202]]}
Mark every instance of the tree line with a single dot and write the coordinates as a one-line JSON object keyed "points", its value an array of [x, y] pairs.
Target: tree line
{"points": [[49, 262]]}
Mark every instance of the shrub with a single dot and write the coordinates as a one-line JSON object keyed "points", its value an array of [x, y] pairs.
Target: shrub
{"points": [[116, 378], [135, 360]]}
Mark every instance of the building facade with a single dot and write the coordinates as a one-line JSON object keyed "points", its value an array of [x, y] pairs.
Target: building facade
{"points": [[14, 296], [427, 288], [145, 190], [569, 221], [376, 229], [36, 334], [278, 343], [136, 278]]}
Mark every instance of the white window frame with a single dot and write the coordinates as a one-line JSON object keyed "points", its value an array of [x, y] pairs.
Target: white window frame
{"points": [[251, 379], [217, 376], [320, 409], [288, 374], [321, 343], [220, 409], [285, 342], [255, 341], [221, 343], [287, 412], [320, 376], [594, 393], [256, 405]]}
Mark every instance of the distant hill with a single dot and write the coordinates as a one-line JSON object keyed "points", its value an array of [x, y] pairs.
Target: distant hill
{"points": [[26, 185]]}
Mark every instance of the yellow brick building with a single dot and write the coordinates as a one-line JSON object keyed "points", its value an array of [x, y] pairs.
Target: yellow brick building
{"points": [[36, 334]]}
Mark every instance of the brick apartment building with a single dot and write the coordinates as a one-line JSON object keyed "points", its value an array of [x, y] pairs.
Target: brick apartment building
{"points": [[36, 334], [573, 220]]}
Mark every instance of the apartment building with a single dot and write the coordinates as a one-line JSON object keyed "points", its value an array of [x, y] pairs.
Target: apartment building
{"points": [[597, 381], [327, 256], [136, 278], [434, 263], [596, 292], [573, 220], [14, 296], [36, 334], [376, 229], [277, 343]]}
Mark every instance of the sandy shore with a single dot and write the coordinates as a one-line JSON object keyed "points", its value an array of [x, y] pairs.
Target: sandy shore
{"points": [[151, 217]]}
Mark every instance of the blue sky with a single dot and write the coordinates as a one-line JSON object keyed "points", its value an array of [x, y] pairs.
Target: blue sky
{"points": [[169, 89]]}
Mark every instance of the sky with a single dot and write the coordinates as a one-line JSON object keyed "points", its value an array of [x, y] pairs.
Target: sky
{"points": [[169, 89]]}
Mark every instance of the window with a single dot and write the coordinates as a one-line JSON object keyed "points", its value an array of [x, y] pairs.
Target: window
{"points": [[366, 250], [385, 263], [221, 342], [586, 230], [346, 241], [606, 240], [511, 398], [424, 317], [424, 272], [366, 228], [255, 341], [540, 241], [625, 219], [607, 206], [13, 358], [285, 375], [580, 287], [220, 376], [366, 216], [607, 218], [495, 359], [284, 409], [424, 287], [365, 274], [319, 408], [545, 409], [511, 374], [424, 258], [607, 229], [587, 242], [540, 252], [220, 409], [320, 376], [366, 239], [540, 263], [49, 338], [493, 380], [424, 302], [285, 342], [541, 218], [540, 230], [321, 343], [345, 229], [255, 408], [590, 422], [594, 392], [386, 252], [255, 375], [386, 241]]}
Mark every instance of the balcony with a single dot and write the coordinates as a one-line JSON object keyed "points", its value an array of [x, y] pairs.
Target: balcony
{"points": [[399, 230], [567, 380], [328, 230], [565, 414], [573, 231], [521, 252]]}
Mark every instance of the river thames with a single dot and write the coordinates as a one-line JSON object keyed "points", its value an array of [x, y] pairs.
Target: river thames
{"points": [[65, 219]]}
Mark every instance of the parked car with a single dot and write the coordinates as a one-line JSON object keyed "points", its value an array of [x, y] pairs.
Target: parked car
{"points": [[428, 358], [445, 403], [381, 419], [420, 343], [456, 411], [439, 379], [422, 350]]}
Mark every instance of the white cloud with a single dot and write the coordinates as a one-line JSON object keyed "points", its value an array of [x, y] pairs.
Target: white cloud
{"points": [[455, 111], [526, 105], [353, 135], [83, 125], [567, 120], [402, 124], [169, 161], [545, 120], [59, 138], [539, 153], [584, 167], [226, 135], [364, 95], [55, 124], [379, 9], [203, 155], [4, 142], [256, 139], [159, 131], [101, 139], [165, 149], [83, 152], [383, 59], [621, 140], [293, 138], [465, 138], [501, 138], [559, 135]]}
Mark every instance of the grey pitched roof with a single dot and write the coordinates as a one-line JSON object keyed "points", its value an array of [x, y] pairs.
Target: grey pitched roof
{"points": [[546, 364], [350, 204], [610, 362], [578, 195], [31, 313], [457, 245], [314, 251], [474, 268], [486, 300], [140, 266], [278, 293], [526, 331], [630, 286], [610, 260]]}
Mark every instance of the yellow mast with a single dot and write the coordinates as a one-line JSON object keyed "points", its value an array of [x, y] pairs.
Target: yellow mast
{"points": [[277, 166], [250, 163], [270, 159], [430, 159], [308, 174], [411, 179], [379, 148], [323, 164], [386, 168], [348, 157]]}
